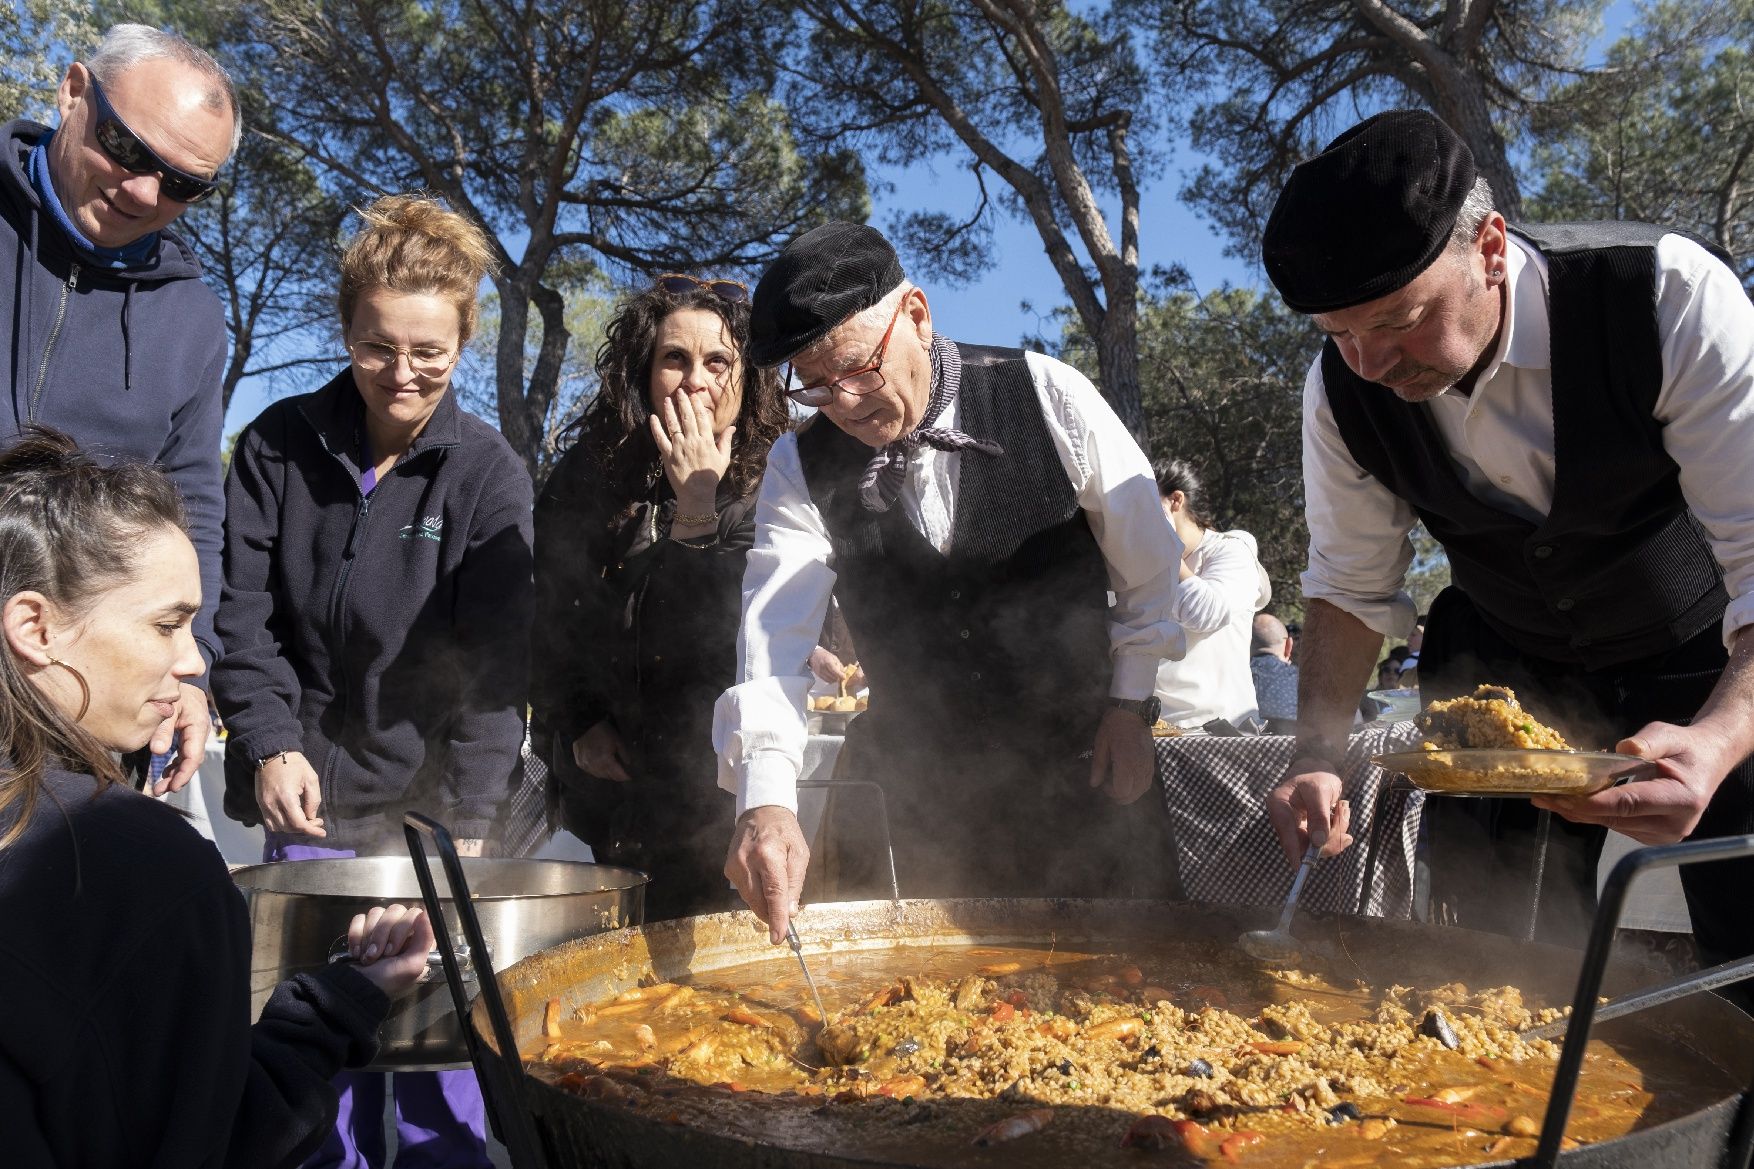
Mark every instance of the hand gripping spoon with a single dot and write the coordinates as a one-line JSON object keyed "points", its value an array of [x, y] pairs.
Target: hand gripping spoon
{"points": [[1277, 945]]}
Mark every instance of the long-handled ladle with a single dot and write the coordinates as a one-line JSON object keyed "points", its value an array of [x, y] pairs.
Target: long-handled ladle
{"points": [[1277, 945]]}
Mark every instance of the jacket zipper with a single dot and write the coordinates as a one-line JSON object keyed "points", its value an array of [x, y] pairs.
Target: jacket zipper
{"points": [[635, 603], [338, 641], [67, 289]]}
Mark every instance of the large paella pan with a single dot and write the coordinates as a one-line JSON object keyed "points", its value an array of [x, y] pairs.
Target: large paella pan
{"points": [[1448, 1087]]}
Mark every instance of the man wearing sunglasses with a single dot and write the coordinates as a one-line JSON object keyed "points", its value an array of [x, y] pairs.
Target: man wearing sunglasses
{"points": [[972, 509], [111, 335]]}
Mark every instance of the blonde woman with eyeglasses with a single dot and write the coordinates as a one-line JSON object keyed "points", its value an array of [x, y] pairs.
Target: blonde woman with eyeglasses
{"points": [[376, 611], [641, 536]]}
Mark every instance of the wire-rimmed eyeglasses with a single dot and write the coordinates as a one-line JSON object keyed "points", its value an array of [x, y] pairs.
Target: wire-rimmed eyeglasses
{"points": [[424, 360], [867, 379]]}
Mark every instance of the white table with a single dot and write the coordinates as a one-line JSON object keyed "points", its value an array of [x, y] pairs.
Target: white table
{"points": [[203, 798]]}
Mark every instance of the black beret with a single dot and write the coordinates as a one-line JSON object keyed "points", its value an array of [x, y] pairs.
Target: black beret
{"points": [[819, 280], [1369, 213]]}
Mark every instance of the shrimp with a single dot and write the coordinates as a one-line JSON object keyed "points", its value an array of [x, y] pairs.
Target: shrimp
{"points": [[1116, 1029], [746, 1017], [1013, 1127]]}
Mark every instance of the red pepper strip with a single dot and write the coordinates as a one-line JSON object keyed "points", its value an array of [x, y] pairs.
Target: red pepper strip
{"points": [[1288, 1048], [1235, 1143], [1017, 999], [1003, 1012], [1484, 1114]]}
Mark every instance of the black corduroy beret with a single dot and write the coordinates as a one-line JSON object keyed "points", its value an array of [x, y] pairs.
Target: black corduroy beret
{"points": [[819, 280], [1369, 213]]}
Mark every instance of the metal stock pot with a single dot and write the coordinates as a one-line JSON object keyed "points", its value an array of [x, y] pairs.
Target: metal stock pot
{"points": [[299, 911]]}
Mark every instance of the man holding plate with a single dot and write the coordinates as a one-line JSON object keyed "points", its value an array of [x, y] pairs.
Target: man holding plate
{"points": [[1569, 409]]}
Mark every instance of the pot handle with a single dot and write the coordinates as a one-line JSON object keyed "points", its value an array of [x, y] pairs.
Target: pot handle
{"points": [[502, 1080], [1589, 985], [435, 961]]}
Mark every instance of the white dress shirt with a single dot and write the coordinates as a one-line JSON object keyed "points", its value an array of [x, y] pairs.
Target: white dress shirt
{"points": [[1501, 438], [1216, 608], [759, 723]]}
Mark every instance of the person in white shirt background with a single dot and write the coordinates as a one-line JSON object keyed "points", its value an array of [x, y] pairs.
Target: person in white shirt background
{"points": [[971, 509], [1569, 409], [1222, 586]]}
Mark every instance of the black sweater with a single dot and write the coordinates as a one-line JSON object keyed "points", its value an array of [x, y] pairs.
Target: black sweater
{"points": [[642, 630], [385, 636], [125, 967]]}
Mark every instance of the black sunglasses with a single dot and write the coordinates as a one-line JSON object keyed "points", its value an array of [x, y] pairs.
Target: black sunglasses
{"points": [[730, 291], [127, 151]]}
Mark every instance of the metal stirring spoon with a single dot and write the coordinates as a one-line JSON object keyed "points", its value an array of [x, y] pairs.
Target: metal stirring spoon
{"points": [[798, 949], [1277, 945]]}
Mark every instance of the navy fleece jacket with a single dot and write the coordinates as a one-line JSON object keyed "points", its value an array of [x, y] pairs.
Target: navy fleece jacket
{"points": [[125, 966], [128, 361], [386, 635]]}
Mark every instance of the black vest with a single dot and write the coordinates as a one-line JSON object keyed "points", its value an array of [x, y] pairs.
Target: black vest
{"points": [[1009, 631], [1620, 569]]}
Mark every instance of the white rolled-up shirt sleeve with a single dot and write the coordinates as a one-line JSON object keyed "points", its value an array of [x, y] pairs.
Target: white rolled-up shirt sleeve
{"points": [[759, 728], [1227, 585], [1706, 406], [1359, 545], [1112, 479]]}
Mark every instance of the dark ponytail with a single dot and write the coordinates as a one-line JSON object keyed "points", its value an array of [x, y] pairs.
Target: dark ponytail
{"points": [[69, 529], [1179, 475]]}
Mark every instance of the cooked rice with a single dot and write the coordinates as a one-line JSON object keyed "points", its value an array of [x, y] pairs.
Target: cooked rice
{"points": [[1490, 717]]}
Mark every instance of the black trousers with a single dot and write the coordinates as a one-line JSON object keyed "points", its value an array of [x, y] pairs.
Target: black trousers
{"points": [[1483, 851]]}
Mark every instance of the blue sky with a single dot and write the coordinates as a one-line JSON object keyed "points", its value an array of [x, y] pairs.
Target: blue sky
{"points": [[990, 310]]}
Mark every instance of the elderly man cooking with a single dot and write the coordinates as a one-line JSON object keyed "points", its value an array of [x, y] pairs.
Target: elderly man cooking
{"points": [[972, 508], [1570, 411]]}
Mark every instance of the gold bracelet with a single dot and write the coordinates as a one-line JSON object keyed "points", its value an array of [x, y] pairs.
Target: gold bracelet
{"points": [[694, 521]]}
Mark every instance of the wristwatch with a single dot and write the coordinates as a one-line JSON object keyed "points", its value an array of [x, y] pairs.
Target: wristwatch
{"points": [[1146, 708]]}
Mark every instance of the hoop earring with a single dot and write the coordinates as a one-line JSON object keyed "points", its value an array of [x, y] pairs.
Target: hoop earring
{"points": [[84, 689]]}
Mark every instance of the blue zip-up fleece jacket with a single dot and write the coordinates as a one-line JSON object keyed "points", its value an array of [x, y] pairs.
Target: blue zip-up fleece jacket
{"points": [[128, 361], [385, 635]]}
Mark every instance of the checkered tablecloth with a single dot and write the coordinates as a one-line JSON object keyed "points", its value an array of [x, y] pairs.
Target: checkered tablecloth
{"points": [[1216, 789]]}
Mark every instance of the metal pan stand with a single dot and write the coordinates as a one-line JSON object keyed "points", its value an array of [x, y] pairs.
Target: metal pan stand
{"points": [[876, 790], [1589, 986], [502, 1082]]}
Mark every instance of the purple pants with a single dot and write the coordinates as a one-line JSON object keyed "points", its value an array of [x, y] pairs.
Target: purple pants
{"points": [[441, 1121]]}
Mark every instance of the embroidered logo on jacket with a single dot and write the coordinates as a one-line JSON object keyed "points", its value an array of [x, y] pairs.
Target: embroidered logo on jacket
{"points": [[429, 528]]}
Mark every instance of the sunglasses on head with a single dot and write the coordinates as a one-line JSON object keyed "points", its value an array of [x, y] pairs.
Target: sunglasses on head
{"points": [[730, 291], [127, 151]]}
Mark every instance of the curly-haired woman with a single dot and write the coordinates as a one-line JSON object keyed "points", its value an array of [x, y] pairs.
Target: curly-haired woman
{"points": [[641, 536]]}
